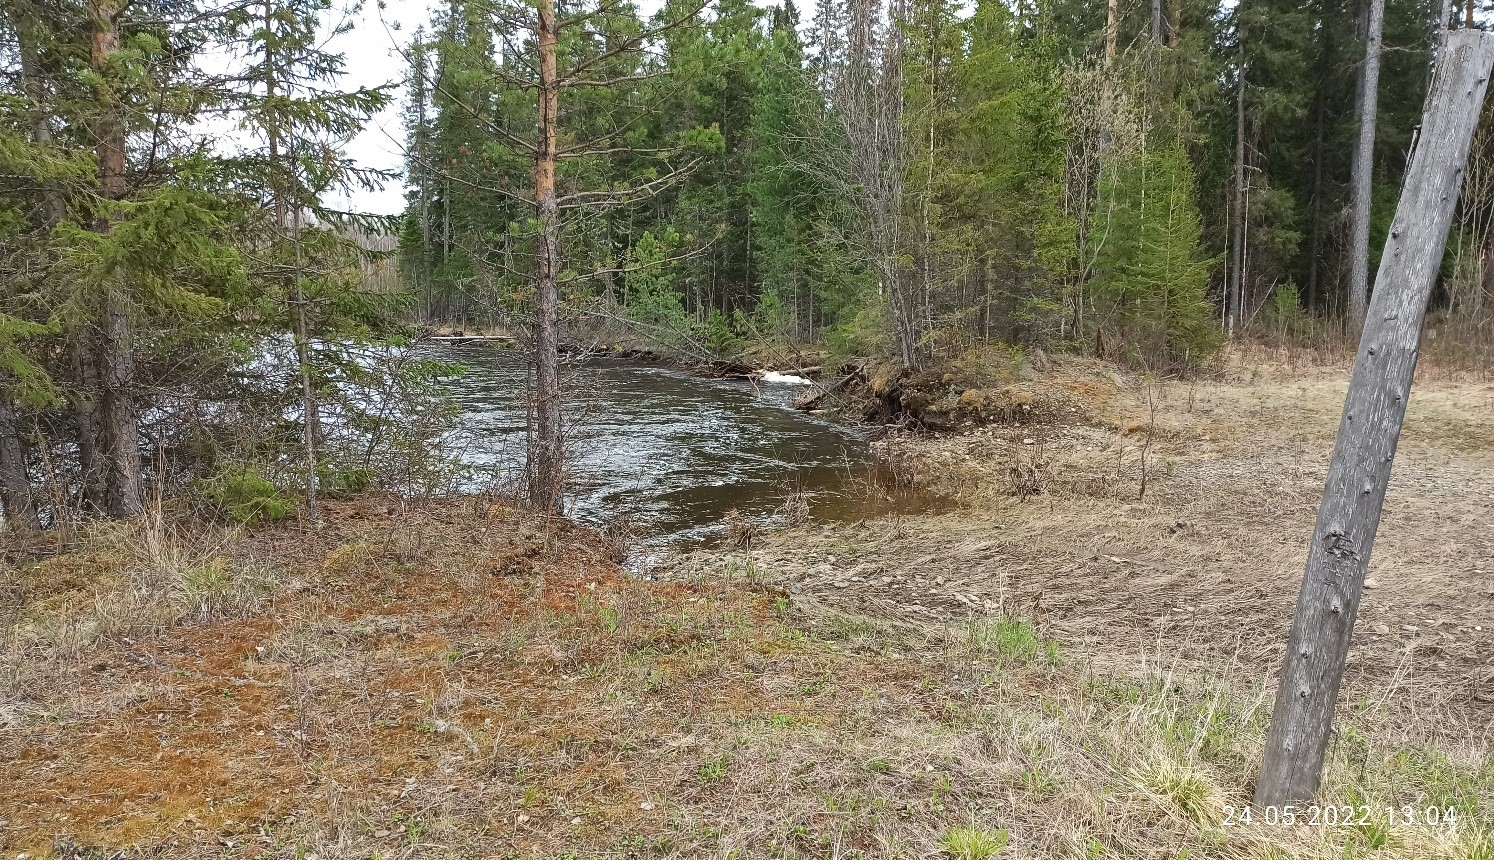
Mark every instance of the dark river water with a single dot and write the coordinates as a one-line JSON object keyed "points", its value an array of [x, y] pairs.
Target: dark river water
{"points": [[672, 450]]}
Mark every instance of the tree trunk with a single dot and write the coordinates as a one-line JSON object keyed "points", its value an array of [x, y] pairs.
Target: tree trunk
{"points": [[310, 410], [1110, 31], [1370, 428], [1484, 293], [16, 500], [288, 215], [546, 457], [118, 424], [92, 455], [15, 478], [1315, 244], [1157, 22], [1236, 289], [1364, 166]]}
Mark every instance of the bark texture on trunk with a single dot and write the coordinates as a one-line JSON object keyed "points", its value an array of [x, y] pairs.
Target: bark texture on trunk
{"points": [[546, 454], [1110, 31], [1370, 428], [92, 468], [1364, 166], [16, 501], [117, 425], [1156, 22]]}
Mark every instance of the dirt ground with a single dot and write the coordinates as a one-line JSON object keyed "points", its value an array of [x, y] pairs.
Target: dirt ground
{"points": [[1204, 564]]}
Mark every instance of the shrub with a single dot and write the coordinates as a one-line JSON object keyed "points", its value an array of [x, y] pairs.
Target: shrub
{"points": [[334, 483], [247, 497], [720, 340]]}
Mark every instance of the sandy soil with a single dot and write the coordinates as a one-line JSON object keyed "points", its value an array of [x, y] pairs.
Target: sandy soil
{"points": [[1205, 565]]}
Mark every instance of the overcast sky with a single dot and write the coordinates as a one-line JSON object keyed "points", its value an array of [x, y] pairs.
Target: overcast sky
{"points": [[373, 57]]}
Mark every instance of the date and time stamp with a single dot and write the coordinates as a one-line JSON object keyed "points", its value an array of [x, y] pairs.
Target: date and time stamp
{"points": [[1346, 815]]}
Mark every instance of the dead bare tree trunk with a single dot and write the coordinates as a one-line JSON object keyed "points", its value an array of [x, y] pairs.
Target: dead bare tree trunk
{"points": [[546, 458], [118, 424], [1371, 426], [1157, 22], [1364, 166], [869, 100]]}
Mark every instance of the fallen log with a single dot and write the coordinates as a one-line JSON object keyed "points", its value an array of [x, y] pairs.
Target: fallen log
{"points": [[815, 398]]}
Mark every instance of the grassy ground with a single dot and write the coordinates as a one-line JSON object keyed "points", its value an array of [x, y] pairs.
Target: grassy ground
{"points": [[463, 681], [1170, 521]]}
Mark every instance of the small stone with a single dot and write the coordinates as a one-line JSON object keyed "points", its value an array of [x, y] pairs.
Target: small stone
{"points": [[1029, 441], [575, 821], [646, 806], [1382, 629], [522, 819], [1371, 583], [380, 834], [1409, 628]]}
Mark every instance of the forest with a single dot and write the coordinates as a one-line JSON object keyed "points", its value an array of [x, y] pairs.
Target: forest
{"points": [[867, 429], [922, 177], [917, 180]]}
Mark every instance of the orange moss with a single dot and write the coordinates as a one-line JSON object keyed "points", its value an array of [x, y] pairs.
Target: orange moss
{"points": [[221, 729]]}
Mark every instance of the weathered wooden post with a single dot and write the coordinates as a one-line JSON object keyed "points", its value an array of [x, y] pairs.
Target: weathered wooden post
{"points": [[1371, 426]]}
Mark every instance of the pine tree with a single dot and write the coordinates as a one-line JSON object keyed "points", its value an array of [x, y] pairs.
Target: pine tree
{"points": [[1149, 293], [304, 270]]}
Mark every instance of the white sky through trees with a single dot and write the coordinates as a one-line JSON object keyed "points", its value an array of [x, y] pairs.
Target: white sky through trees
{"points": [[373, 52]]}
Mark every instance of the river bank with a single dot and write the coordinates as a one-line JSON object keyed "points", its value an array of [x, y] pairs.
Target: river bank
{"points": [[1066, 665], [1127, 517], [462, 680]]}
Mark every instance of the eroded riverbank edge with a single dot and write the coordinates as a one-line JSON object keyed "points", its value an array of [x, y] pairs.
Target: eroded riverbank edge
{"points": [[1137, 520]]}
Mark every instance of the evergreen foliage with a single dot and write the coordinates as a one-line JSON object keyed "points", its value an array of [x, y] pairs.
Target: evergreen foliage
{"points": [[919, 179]]}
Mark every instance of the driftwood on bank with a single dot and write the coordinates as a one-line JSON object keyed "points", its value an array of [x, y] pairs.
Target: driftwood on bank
{"points": [[1370, 427], [817, 397]]}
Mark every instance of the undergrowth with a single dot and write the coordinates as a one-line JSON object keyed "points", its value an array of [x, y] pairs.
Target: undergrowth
{"points": [[499, 689]]}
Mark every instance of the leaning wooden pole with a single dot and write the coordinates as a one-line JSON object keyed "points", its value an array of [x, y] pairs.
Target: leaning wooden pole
{"points": [[1371, 426]]}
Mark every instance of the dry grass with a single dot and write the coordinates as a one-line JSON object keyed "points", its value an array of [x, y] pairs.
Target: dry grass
{"points": [[1056, 671], [1054, 527], [497, 689]]}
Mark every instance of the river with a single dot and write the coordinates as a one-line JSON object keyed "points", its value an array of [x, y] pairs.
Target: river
{"points": [[672, 450]]}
